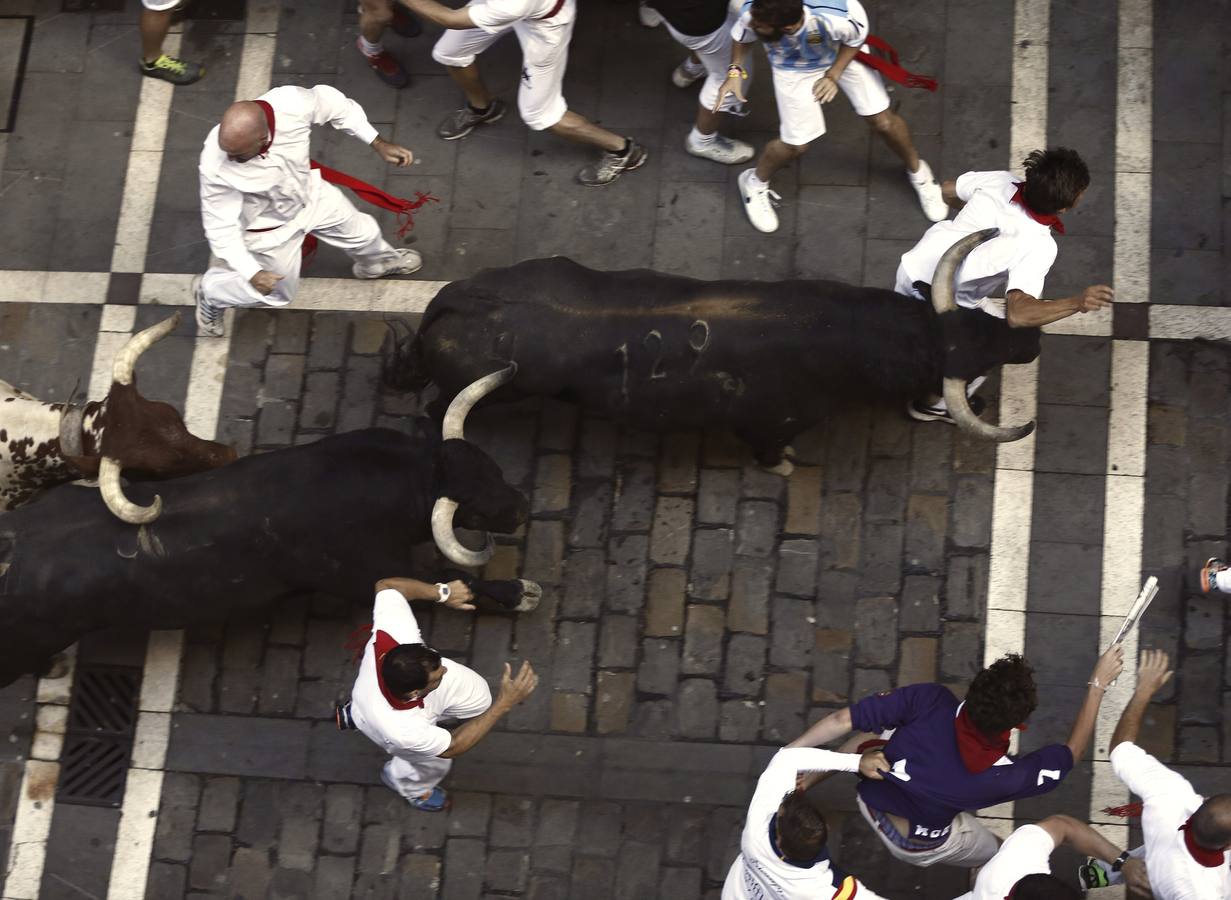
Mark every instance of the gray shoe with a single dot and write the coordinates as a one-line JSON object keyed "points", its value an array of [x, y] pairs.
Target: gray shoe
{"points": [[461, 122], [209, 320], [611, 166], [407, 261]]}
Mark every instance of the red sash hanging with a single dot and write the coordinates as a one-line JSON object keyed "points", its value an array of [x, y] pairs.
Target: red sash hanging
{"points": [[889, 66]]}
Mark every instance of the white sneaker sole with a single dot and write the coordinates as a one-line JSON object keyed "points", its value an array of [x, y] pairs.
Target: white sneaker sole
{"points": [[741, 153]]}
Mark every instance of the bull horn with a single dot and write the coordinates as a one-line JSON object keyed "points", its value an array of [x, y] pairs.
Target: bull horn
{"points": [[455, 418], [126, 359], [964, 416], [446, 540], [946, 269], [113, 495]]}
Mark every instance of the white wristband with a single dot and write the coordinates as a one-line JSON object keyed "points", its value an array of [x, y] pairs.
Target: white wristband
{"points": [[442, 592]]}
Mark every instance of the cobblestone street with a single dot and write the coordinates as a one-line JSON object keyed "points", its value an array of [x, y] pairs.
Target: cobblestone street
{"points": [[698, 612]]}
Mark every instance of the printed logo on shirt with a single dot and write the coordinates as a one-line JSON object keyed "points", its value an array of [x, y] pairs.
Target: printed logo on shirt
{"points": [[1048, 775], [814, 38], [847, 890], [930, 834], [899, 770]]}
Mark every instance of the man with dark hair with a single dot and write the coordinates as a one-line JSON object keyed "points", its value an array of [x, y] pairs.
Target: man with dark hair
{"points": [[1012, 265], [950, 759], [782, 848], [1187, 836], [811, 45], [704, 27], [1021, 869], [405, 687]]}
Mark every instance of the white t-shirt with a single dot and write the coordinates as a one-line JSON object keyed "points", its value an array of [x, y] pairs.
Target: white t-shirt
{"points": [[1026, 852], [411, 733], [814, 46], [271, 190], [496, 15], [1168, 801], [758, 873], [1018, 259]]}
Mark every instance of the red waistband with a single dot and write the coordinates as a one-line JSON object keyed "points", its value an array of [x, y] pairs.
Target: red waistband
{"points": [[555, 9]]}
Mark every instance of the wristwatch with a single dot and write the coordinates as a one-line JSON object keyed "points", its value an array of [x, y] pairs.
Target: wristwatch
{"points": [[442, 592], [1120, 861]]}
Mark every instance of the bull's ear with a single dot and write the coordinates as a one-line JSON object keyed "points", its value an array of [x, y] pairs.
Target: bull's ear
{"points": [[85, 465]]}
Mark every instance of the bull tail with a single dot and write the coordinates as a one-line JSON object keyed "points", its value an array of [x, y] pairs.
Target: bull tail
{"points": [[402, 367]]}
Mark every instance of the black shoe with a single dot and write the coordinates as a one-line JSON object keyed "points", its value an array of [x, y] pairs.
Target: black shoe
{"points": [[405, 23]]}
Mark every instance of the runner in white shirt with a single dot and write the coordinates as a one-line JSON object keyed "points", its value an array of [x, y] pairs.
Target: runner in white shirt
{"points": [[782, 849], [1022, 867], [260, 198], [543, 28], [1012, 265], [1187, 836], [405, 687], [811, 45]]}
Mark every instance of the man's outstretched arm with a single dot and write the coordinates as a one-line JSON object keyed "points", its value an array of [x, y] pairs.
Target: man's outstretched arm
{"points": [[440, 14], [1024, 311], [1108, 667], [1088, 842], [833, 726], [1153, 673], [513, 690]]}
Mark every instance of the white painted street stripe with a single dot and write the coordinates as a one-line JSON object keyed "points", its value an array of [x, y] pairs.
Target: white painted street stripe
{"points": [[134, 843], [132, 233], [31, 826]]}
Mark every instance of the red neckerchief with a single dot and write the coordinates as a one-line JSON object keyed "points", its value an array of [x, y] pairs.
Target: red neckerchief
{"points": [[269, 122], [385, 643], [979, 752], [1211, 859], [1051, 221]]}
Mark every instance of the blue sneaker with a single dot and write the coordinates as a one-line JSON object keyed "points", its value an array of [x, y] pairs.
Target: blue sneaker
{"points": [[436, 801]]}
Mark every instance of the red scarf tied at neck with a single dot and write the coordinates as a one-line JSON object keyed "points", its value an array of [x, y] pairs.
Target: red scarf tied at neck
{"points": [[979, 752], [1052, 221], [1211, 859], [385, 643]]}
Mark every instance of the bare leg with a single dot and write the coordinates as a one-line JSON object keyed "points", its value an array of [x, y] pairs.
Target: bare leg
{"points": [[471, 83], [707, 120], [894, 131], [582, 131], [776, 155], [374, 15], [154, 27]]}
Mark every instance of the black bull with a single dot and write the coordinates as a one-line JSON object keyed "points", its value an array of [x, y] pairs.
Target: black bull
{"points": [[330, 517], [766, 360]]}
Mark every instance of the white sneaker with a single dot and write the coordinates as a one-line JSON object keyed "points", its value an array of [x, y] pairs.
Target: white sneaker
{"points": [[648, 16], [408, 261], [758, 203], [209, 320], [725, 150], [930, 196], [687, 72]]}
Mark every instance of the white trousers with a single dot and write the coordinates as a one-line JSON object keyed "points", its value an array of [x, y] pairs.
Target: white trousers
{"points": [[414, 779], [333, 219], [714, 51]]}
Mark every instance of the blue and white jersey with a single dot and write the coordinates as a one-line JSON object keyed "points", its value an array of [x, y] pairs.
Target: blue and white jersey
{"points": [[814, 45]]}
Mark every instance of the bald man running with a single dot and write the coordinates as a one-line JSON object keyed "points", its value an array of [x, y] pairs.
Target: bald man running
{"points": [[260, 198]]}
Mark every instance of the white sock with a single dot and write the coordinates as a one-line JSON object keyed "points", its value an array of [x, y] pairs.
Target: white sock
{"points": [[370, 49], [755, 182], [1223, 581], [697, 139], [923, 175]]}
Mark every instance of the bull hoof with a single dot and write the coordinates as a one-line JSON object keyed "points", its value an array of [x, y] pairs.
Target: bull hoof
{"points": [[784, 468], [531, 594]]}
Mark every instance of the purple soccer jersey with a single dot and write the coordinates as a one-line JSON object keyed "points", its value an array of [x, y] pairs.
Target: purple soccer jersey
{"points": [[929, 783]]}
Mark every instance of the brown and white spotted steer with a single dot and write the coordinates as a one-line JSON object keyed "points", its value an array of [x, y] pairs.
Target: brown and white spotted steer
{"points": [[45, 444]]}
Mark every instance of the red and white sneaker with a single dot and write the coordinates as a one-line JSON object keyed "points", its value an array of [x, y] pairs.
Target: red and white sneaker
{"points": [[386, 67], [1209, 575]]}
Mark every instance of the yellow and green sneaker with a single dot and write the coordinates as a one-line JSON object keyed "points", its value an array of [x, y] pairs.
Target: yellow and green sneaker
{"points": [[176, 71]]}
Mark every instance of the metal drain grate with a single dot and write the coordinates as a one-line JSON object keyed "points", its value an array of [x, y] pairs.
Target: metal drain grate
{"points": [[102, 718]]}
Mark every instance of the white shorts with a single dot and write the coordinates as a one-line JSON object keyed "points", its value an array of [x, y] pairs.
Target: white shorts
{"points": [[160, 5], [544, 48], [970, 843], [714, 51], [993, 306], [800, 118]]}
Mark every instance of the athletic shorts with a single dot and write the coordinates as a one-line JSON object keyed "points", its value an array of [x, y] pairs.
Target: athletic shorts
{"points": [[714, 51], [801, 119], [540, 96]]}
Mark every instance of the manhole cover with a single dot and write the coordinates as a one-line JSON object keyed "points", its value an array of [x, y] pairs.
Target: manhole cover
{"points": [[102, 717]]}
